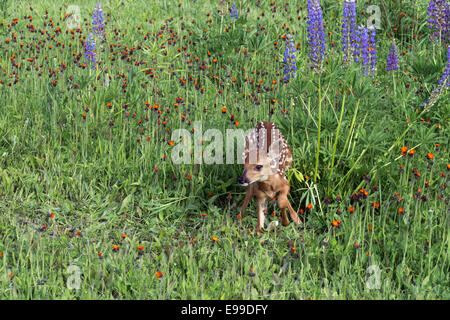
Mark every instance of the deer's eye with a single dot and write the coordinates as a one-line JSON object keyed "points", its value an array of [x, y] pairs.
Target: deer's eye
{"points": [[258, 167]]}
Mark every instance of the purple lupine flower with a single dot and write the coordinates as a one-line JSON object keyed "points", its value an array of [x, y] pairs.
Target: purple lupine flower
{"points": [[316, 35], [290, 67], [348, 29], [392, 59], [443, 84], [364, 49], [89, 50], [439, 20], [97, 20], [445, 76], [234, 12], [373, 51], [357, 44]]}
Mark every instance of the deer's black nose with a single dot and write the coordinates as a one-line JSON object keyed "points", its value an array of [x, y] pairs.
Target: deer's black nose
{"points": [[243, 179]]}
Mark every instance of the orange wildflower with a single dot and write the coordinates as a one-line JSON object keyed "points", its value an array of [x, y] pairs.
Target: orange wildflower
{"points": [[336, 223], [404, 150]]}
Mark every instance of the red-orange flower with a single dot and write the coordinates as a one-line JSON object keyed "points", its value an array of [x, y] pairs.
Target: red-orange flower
{"points": [[336, 223], [159, 274], [404, 150]]}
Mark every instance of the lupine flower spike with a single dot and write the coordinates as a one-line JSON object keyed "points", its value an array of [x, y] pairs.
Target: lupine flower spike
{"points": [[365, 50], [443, 84], [97, 21], [349, 29], [234, 13], [439, 20], [89, 50], [373, 52], [316, 35], [290, 67], [392, 60]]}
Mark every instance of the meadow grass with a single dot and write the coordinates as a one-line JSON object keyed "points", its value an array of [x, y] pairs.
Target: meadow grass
{"points": [[83, 183]]}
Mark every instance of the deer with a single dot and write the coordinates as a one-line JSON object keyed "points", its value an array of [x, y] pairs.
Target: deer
{"points": [[266, 157]]}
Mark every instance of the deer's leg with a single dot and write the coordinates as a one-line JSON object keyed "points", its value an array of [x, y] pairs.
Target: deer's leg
{"points": [[283, 202], [294, 215], [261, 207], [248, 197]]}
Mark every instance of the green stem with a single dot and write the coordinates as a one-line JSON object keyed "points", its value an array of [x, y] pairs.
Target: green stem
{"points": [[335, 141], [318, 133]]}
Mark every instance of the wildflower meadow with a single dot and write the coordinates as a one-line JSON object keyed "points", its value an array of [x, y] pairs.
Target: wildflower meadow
{"points": [[98, 97]]}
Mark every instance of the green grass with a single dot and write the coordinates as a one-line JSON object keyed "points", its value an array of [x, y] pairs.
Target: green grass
{"points": [[72, 188]]}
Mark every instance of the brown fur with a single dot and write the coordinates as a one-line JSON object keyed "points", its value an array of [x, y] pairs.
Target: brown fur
{"points": [[266, 158]]}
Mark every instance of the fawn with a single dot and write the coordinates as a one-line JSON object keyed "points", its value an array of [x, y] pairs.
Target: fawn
{"points": [[266, 158]]}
